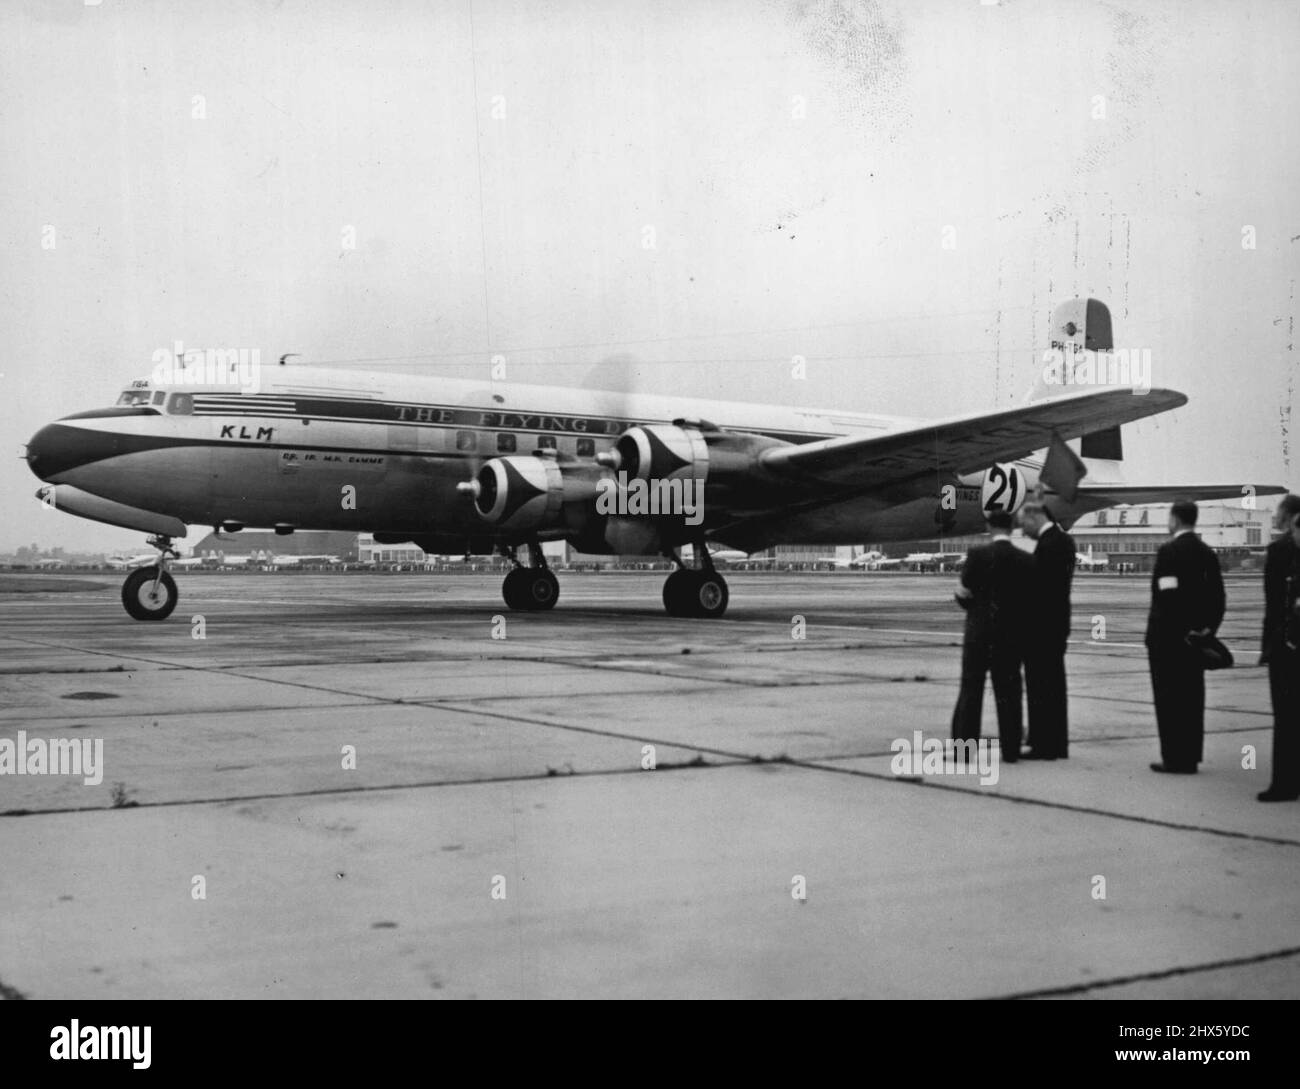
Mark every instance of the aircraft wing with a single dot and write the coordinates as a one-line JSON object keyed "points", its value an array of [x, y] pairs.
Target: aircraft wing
{"points": [[963, 443]]}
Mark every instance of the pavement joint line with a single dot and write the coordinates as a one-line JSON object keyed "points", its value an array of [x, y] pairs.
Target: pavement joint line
{"points": [[732, 761], [108, 716], [377, 788], [1045, 804], [1080, 742], [548, 661], [1163, 973], [1145, 703]]}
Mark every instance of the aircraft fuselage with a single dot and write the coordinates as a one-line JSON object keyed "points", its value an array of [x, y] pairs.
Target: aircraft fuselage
{"points": [[321, 449]]}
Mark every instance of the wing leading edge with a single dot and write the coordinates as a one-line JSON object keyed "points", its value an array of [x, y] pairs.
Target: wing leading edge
{"points": [[962, 444]]}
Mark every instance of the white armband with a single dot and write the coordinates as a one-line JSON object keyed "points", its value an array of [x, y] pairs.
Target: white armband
{"points": [[1167, 582]]}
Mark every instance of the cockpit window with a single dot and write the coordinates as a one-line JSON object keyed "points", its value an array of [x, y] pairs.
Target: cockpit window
{"points": [[134, 397], [181, 404], [159, 397]]}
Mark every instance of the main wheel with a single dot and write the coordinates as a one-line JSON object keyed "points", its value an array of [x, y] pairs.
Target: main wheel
{"points": [[531, 589], [542, 589], [147, 597], [710, 596]]}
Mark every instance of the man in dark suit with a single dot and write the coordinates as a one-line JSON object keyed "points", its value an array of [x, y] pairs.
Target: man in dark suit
{"points": [[1186, 597], [1049, 631], [994, 591], [1280, 651]]}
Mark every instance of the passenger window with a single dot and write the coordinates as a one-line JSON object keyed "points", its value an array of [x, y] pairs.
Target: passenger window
{"points": [[465, 440], [506, 443], [546, 442], [182, 404], [586, 448]]}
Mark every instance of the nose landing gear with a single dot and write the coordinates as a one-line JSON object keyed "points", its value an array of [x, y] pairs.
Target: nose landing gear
{"points": [[149, 593], [530, 589]]}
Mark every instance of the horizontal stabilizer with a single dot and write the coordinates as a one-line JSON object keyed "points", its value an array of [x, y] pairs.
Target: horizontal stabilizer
{"points": [[1110, 495]]}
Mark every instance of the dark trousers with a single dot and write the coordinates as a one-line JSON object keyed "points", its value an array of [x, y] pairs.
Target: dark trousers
{"points": [[978, 659], [1048, 700], [1178, 684], [1284, 687]]}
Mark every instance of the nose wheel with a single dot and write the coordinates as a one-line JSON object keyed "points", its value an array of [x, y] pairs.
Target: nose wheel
{"points": [[149, 593], [531, 589]]}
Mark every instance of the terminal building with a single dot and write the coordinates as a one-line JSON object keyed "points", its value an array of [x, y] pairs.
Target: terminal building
{"points": [[250, 546], [1130, 536], [1126, 538]]}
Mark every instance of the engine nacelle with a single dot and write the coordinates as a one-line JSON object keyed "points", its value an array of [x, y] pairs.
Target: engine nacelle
{"points": [[661, 453], [529, 493]]}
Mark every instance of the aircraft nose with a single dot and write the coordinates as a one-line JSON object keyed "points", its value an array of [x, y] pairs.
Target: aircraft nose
{"points": [[56, 448], [39, 448]]}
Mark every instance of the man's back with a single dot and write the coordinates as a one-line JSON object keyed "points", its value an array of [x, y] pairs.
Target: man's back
{"points": [[1280, 566], [1186, 591], [1054, 563], [999, 576]]}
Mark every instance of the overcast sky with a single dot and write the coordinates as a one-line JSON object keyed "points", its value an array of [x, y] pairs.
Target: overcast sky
{"points": [[502, 165]]}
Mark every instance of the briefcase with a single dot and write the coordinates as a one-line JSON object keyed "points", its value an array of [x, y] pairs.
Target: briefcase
{"points": [[1213, 654]]}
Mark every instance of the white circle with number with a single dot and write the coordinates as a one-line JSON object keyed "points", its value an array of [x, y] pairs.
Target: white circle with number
{"points": [[1004, 489]]}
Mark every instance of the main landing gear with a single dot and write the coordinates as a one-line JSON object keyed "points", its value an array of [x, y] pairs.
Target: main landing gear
{"points": [[149, 593], [531, 589], [698, 592]]}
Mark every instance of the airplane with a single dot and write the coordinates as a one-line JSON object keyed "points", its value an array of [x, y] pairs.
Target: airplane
{"points": [[143, 559], [472, 467], [869, 561], [937, 561], [1090, 562], [296, 561]]}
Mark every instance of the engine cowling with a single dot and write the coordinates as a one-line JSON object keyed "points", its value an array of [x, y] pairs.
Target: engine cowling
{"points": [[661, 452], [519, 493], [529, 493]]}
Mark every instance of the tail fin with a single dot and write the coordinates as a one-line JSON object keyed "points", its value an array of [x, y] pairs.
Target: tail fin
{"points": [[1078, 326]]}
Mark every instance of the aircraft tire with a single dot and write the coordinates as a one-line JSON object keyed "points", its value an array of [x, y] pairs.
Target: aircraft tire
{"points": [[679, 592], [513, 589], [531, 589], [138, 591]]}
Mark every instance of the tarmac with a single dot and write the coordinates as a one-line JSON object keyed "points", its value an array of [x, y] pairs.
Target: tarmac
{"points": [[504, 835]]}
